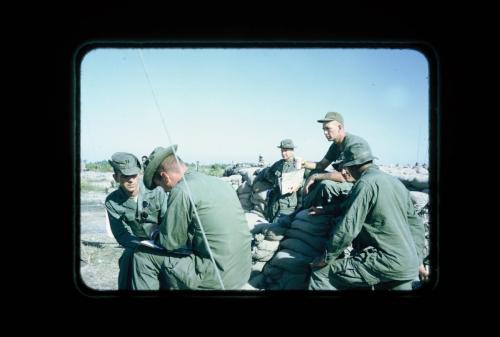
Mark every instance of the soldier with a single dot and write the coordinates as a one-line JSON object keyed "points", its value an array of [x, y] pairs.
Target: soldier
{"points": [[282, 203], [323, 187], [381, 223], [185, 262], [134, 212]]}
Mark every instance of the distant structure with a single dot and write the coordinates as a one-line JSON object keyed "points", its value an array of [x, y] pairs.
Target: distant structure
{"points": [[261, 163]]}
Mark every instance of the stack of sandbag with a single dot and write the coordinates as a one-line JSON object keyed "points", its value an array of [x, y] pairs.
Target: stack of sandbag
{"points": [[235, 180], [414, 178], [261, 251], [266, 239], [304, 239], [259, 197], [253, 192], [244, 192], [421, 204]]}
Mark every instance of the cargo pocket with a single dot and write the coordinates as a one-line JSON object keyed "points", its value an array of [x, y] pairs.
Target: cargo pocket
{"points": [[181, 272]]}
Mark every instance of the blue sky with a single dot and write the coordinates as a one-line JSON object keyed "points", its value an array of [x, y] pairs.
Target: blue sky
{"points": [[232, 105]]}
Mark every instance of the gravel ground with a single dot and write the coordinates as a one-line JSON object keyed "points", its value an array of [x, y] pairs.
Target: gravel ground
{"points": [[99, 256]]}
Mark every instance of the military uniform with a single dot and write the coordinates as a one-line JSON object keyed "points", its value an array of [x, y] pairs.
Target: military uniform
{"points": [[280, 203], [132, 220], [186, 263], [388, 238], [325, 192]]}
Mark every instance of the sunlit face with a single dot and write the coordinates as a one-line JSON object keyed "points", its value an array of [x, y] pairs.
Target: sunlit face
{"points": [[287, 154], [331, 130], [129, 184]]}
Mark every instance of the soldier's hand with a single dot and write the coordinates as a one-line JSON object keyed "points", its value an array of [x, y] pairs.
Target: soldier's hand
{"points": [[318, 262], [423, 273], [313, 210], [309, 182]]}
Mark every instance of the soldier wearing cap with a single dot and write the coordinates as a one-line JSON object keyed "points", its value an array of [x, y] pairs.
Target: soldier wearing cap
{"points": [[383, 227], [197, 204], [323, 187], [134, 212], [279, 203]]}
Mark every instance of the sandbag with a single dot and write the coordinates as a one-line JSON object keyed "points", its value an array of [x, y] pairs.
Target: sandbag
{"points": [[311, 228], [291, 261], [268, 245], [420, 182], [262, 255], [274, 273], [317, 242], [245, 187], [258, 266], [253, 219], [257, 281], [299, 246], [420, 200], [261, 185], [259, 197], [314, 219], [293, 281], [275, 232]]}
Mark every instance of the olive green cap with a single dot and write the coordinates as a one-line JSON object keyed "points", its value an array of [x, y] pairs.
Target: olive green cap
{"points": [[125, 163], [332, 116], [154, 161], [357, 154], [287, 144]]}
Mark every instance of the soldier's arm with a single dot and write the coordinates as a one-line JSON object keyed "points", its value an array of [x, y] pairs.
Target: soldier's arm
{"points": [[174, 228], [318, 166], [358, 205], [121, 231], [416, 228]]}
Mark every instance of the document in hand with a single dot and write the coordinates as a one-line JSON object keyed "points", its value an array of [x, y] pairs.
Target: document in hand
{"points": [[291, 180], [150, 244]]}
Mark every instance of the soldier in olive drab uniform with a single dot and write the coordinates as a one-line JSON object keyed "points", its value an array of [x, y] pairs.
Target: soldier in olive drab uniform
{"points": [[279, 203], [323, 187], [381, 223], [185, 262], [134, 212]]}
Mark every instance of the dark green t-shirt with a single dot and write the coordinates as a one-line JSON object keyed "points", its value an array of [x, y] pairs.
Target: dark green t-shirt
{"points": [[335, 151]]}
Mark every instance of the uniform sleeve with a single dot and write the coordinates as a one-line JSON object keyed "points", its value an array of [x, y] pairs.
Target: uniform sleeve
{"points": [[270, 175], [174, 227], [121, 231], [162, 200], [358, 206], [417, 229]]}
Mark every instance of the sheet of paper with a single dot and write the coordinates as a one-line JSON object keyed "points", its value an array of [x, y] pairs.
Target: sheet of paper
{"points": [[290, 180]]}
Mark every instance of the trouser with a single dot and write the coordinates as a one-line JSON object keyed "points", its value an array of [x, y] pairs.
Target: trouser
{"points": [[154, 270], [342, 275], [325, 192], [125, 269]]}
